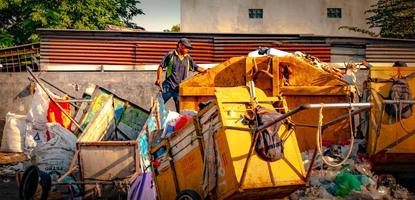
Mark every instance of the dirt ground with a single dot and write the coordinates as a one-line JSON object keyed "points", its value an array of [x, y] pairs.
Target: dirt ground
{"points": [[8, 188]]}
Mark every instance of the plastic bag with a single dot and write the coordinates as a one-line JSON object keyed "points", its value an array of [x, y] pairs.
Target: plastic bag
{"points": [[345, 183], [170, 123], [34, 137], [13, 133], [181, 121], [38, 109], [55, 156]]}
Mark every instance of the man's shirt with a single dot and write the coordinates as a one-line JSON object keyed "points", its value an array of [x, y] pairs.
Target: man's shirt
{"points": [[177, 67]]}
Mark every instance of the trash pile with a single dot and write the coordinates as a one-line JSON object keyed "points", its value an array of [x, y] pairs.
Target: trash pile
{"points": [[353, 180], [60, 135]]}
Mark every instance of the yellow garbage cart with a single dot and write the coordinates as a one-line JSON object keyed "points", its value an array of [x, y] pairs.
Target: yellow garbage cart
{"points": [[299, 80], [212, 155], [390, 139]]}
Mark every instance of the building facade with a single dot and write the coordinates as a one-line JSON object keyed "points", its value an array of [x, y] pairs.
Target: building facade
{"points": [[318, 17]]}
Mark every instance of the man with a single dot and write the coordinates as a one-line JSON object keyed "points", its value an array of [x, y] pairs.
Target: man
{"points": [[177, 64]]}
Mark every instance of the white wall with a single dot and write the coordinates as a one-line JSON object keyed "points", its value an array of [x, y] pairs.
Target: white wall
{"points": [[280, 16]]}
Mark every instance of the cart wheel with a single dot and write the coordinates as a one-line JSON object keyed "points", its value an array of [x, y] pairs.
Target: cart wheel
{"points": [[188, 195], [35, 184]]}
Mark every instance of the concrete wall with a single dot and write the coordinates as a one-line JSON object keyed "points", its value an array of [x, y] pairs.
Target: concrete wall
{"points": [[279, 16], [137, 87]]}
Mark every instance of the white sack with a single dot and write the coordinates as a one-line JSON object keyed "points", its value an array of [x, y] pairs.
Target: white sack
{"points": [[13, 133], [54, 157]]}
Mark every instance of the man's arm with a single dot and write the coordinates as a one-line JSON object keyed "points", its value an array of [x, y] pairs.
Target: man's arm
{"points": [[200, 69], [159, 74], [366, 64], [196, 67]]}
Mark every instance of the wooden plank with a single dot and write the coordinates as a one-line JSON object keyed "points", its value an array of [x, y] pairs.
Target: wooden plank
{"points": [[208, 114], [177, 137], [9, 158]]}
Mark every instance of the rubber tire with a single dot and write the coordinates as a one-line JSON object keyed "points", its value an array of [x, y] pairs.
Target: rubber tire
{"points": [[31, 180], [188, 194]]}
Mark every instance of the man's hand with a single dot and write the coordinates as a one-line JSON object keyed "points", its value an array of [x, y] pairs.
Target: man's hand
{"points": [[364, 63], [201, 70]]}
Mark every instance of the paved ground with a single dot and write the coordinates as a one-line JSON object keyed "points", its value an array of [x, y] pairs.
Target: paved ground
{"points": [[8, 188]]}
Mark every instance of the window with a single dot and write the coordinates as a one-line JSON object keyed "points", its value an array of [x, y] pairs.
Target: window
{"points": [[334, 12], [255, 13]]}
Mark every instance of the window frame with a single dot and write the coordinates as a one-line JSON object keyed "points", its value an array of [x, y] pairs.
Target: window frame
{"points": [[256, 13], [335, 13]]}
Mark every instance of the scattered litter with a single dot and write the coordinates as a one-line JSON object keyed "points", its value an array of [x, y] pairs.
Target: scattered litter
{"points": [[353, 180]]}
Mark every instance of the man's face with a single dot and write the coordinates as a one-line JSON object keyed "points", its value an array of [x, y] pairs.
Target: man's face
{"points": [[183, 49]]}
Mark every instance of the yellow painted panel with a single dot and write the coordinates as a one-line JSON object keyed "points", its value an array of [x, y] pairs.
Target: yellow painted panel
{"points": [[227, 183], [188, 171], [260, 173], [165, 185], [391, 131]]}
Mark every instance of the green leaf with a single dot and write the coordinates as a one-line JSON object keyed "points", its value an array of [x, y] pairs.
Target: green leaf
{"points": [[19, 19]]}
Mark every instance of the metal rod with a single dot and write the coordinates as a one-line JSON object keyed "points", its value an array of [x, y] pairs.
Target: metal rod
{"points": [[306, 125], [60, 90], [65, 93], [376, 99], [92, 183], [109, 143], [310, 167], [399, 101], [337, 105], [311, 106], [53, 100], [334, 121], [248, 158], [73, 100]]}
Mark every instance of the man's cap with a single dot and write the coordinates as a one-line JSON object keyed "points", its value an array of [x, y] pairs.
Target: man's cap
{"points": [[185, 42]]}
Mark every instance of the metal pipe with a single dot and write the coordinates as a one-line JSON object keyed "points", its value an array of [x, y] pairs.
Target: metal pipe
{"points": [[108, 143], [337, 105], [398, 101], [73, 100], [311, 106], [306, 125], [92, 183], [60, 90], [334, 121], [53, 100]]}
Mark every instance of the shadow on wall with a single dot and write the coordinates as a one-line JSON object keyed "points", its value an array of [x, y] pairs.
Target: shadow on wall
{"points": [[29, 90], [2, 123]]}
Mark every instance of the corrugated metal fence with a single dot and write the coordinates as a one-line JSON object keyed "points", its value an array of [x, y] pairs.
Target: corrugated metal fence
{"points": [[391, 53], [74, 50]]}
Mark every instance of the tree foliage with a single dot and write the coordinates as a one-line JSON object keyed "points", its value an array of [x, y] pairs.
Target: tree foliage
{"points": [[175, 28], [19, 19], [395, 18]]}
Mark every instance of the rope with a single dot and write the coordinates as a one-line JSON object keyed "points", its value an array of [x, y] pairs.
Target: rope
{"points": [[319, 140], [400, 117]]}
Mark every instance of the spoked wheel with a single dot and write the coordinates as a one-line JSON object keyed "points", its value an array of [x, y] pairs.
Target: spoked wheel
{"points": [[188, 195]]}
